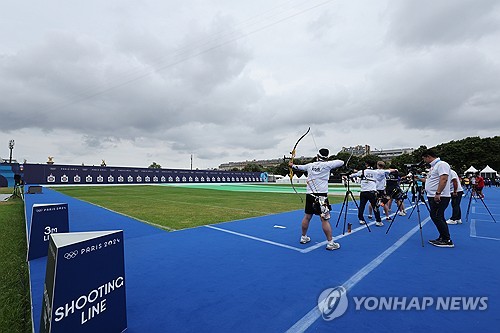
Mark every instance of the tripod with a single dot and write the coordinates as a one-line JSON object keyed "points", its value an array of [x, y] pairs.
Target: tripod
{"points": [[348, 195], [418, 192], [420, 198], [469, 192], [474, 194], [18, 186]]}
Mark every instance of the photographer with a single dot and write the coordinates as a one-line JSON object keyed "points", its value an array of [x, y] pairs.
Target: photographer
{"points": [[415, 178], [479, 185], [437, 186], [456, 197]]}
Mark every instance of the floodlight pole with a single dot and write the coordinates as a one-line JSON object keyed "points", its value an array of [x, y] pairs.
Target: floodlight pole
{"points": [[11, 147]]}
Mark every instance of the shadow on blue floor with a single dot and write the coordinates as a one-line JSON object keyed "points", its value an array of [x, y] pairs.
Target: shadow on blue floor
{"points": [[253, 275]]}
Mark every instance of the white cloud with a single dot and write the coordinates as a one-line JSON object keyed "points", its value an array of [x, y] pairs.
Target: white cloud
{"points": [[133, 82]]}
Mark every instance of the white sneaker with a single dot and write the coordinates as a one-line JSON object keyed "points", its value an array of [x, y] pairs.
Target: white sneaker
{"points": [[401, 213], [451, 222], [370, 216], [305, 239], [459, 221], [332, 246], [379, 224], [362, 222]]}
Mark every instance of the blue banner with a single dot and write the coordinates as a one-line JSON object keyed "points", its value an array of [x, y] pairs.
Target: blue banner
{"points": [[74, 174], [46, 219], [84, 287]]}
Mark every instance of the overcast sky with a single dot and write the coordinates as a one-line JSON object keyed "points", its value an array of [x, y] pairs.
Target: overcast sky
{"points": [[140, 81]]}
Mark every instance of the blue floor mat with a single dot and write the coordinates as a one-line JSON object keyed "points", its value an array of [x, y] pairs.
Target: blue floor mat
{"points": [[253, 275]]}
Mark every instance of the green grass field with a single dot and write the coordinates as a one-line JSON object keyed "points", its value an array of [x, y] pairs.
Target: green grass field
{"points": [[171, 207], [15, 309], [180, 207]]}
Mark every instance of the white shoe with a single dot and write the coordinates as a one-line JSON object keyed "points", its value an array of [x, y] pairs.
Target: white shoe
{"points": [[401, 213], [305, 239], [459, 221], [362, 222], [370, 216], [379, 224], [332, 246], [451, 222]]}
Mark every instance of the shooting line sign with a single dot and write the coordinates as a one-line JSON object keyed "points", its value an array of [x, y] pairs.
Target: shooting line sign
{"points": [[84, 287], [46, 219]]}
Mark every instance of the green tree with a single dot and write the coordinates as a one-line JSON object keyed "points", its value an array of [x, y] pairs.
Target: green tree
{"points": [[154, 165], [400, 162], [252, 167], [474, 151]]}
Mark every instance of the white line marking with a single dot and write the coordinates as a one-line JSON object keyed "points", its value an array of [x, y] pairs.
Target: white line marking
{"points": [[490, 238], [309, 249], [314, 247], [255, 238], [473, 231], [473, 228], [485, 213], [305, 322], [306, 250]]}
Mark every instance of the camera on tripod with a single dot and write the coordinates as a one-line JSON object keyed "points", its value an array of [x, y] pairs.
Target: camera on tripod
{"points": [[416, 167]]}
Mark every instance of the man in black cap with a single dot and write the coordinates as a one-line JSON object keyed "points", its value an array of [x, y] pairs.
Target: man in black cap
{"points": [[318, 173]]}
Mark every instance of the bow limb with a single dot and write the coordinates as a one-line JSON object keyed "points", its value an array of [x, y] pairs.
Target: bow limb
{"points": [[292, 153], [352, 152]]}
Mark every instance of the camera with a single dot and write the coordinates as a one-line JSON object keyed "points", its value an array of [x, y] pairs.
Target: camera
{"points": [[416, 167]]}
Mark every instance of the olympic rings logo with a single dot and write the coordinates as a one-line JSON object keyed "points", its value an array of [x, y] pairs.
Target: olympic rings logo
{"points": [[71, 255]]}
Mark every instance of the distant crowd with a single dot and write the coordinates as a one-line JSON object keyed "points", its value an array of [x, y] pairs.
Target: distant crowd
{"points": [[468, 181]]}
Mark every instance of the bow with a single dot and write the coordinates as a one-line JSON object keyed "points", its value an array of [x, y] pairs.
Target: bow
{"points": [[291, 161], [352, 152]]}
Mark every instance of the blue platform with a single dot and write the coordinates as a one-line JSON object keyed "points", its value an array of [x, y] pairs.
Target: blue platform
{"points": [[253, 275], [6, 174]]}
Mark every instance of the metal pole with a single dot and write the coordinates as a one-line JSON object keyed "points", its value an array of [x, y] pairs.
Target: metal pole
{"points": [[11, 147]]}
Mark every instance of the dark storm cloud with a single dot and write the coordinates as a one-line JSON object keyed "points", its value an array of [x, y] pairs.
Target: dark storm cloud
{"points": [[230, 80], [77, 83], [438, 90]]}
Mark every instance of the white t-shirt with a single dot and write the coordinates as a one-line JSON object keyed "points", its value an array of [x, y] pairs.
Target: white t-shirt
{"points": [[381, 179], [438, 168], [454, 175], [318, 174], [368, 179]]}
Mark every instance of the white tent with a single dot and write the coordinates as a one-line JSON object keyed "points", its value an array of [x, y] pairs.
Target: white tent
{"points": [[283, 180], [302, 179], [471, 170], [488, 172]]}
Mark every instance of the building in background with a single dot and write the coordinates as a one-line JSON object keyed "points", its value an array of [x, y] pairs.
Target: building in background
{"points": [[240, 165], [358, 151], [389, 154]]}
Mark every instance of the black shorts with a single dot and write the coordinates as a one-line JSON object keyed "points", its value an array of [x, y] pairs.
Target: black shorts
{"points": [[395, 193], [312, 205]]}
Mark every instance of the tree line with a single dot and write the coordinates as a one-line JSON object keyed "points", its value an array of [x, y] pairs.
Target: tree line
{"points": [[460, 154]]}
